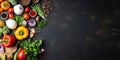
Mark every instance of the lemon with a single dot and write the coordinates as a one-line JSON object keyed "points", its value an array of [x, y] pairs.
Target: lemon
{"points": [[2, 24]]}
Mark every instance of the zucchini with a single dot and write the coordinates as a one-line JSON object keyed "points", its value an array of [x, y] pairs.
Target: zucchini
{"points": [[15, 56]]}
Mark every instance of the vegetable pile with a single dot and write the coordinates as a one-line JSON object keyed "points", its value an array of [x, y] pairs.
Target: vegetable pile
{"points": [[19, 20]]}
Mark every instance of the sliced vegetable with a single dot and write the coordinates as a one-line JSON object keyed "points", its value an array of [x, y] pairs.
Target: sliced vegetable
{"points": [[11, 24], [8, 40], [33, 13], [1, 48], [39, 10], [21, 33], [31, 22], [4, 15], [5, 5]]}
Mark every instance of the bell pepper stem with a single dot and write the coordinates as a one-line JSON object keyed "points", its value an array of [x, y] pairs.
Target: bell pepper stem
{"points": [[3, 41]]}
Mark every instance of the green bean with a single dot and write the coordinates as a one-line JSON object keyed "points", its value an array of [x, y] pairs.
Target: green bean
{"points": [[39, 10]]}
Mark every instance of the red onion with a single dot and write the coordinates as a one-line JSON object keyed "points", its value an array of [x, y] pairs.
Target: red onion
{"points": [[31, 22], [1, 48]]}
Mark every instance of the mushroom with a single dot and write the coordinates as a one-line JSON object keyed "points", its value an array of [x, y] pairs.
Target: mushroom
{"points": [[37, 18]]}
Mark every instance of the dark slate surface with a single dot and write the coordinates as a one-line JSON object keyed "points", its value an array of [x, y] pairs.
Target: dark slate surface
{"points": [[81, 30]]}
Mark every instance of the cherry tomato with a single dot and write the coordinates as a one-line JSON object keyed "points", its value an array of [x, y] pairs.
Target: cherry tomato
{"points": [[21, 54], [26, 16], [27, 9], [11, 15], [10, 10]]}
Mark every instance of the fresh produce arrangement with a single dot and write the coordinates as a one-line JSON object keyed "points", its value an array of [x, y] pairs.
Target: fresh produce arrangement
{"points": [[19, 23]]}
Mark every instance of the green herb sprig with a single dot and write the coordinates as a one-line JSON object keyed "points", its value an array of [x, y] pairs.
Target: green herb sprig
{"points": [[19, 19], [41, 24], [33, 48]]}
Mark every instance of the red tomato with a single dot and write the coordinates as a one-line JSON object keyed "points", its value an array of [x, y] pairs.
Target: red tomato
{"points": [[10, 10], [21, 54], [26, 16], [8, 40], [11, 15], [27, 9]]}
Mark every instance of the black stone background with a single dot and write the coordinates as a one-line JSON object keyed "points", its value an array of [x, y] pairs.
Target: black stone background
{"points": [[81, 30]]}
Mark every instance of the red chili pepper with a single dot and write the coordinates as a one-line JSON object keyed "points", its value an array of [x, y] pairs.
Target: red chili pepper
{"points": [[8, 40]]}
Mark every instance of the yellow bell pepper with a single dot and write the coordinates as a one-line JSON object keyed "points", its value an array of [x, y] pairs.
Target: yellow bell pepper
{"points": [[5, 5], [21, 33]]}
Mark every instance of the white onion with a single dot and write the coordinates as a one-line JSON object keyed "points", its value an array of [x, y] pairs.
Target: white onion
{"points": [[11, 24], [18, 9]]}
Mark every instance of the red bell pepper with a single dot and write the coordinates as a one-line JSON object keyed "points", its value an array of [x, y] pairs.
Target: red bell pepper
{"points": [[8, 40]]}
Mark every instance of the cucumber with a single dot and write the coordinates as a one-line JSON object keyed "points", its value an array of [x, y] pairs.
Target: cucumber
{"points": [[15, 56]]}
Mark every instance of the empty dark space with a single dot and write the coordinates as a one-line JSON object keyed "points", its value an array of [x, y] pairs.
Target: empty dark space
{"points": [[83, 30]]}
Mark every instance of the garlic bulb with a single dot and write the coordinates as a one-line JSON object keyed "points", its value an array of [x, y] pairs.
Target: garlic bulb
{"points": [[18, 9]]}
